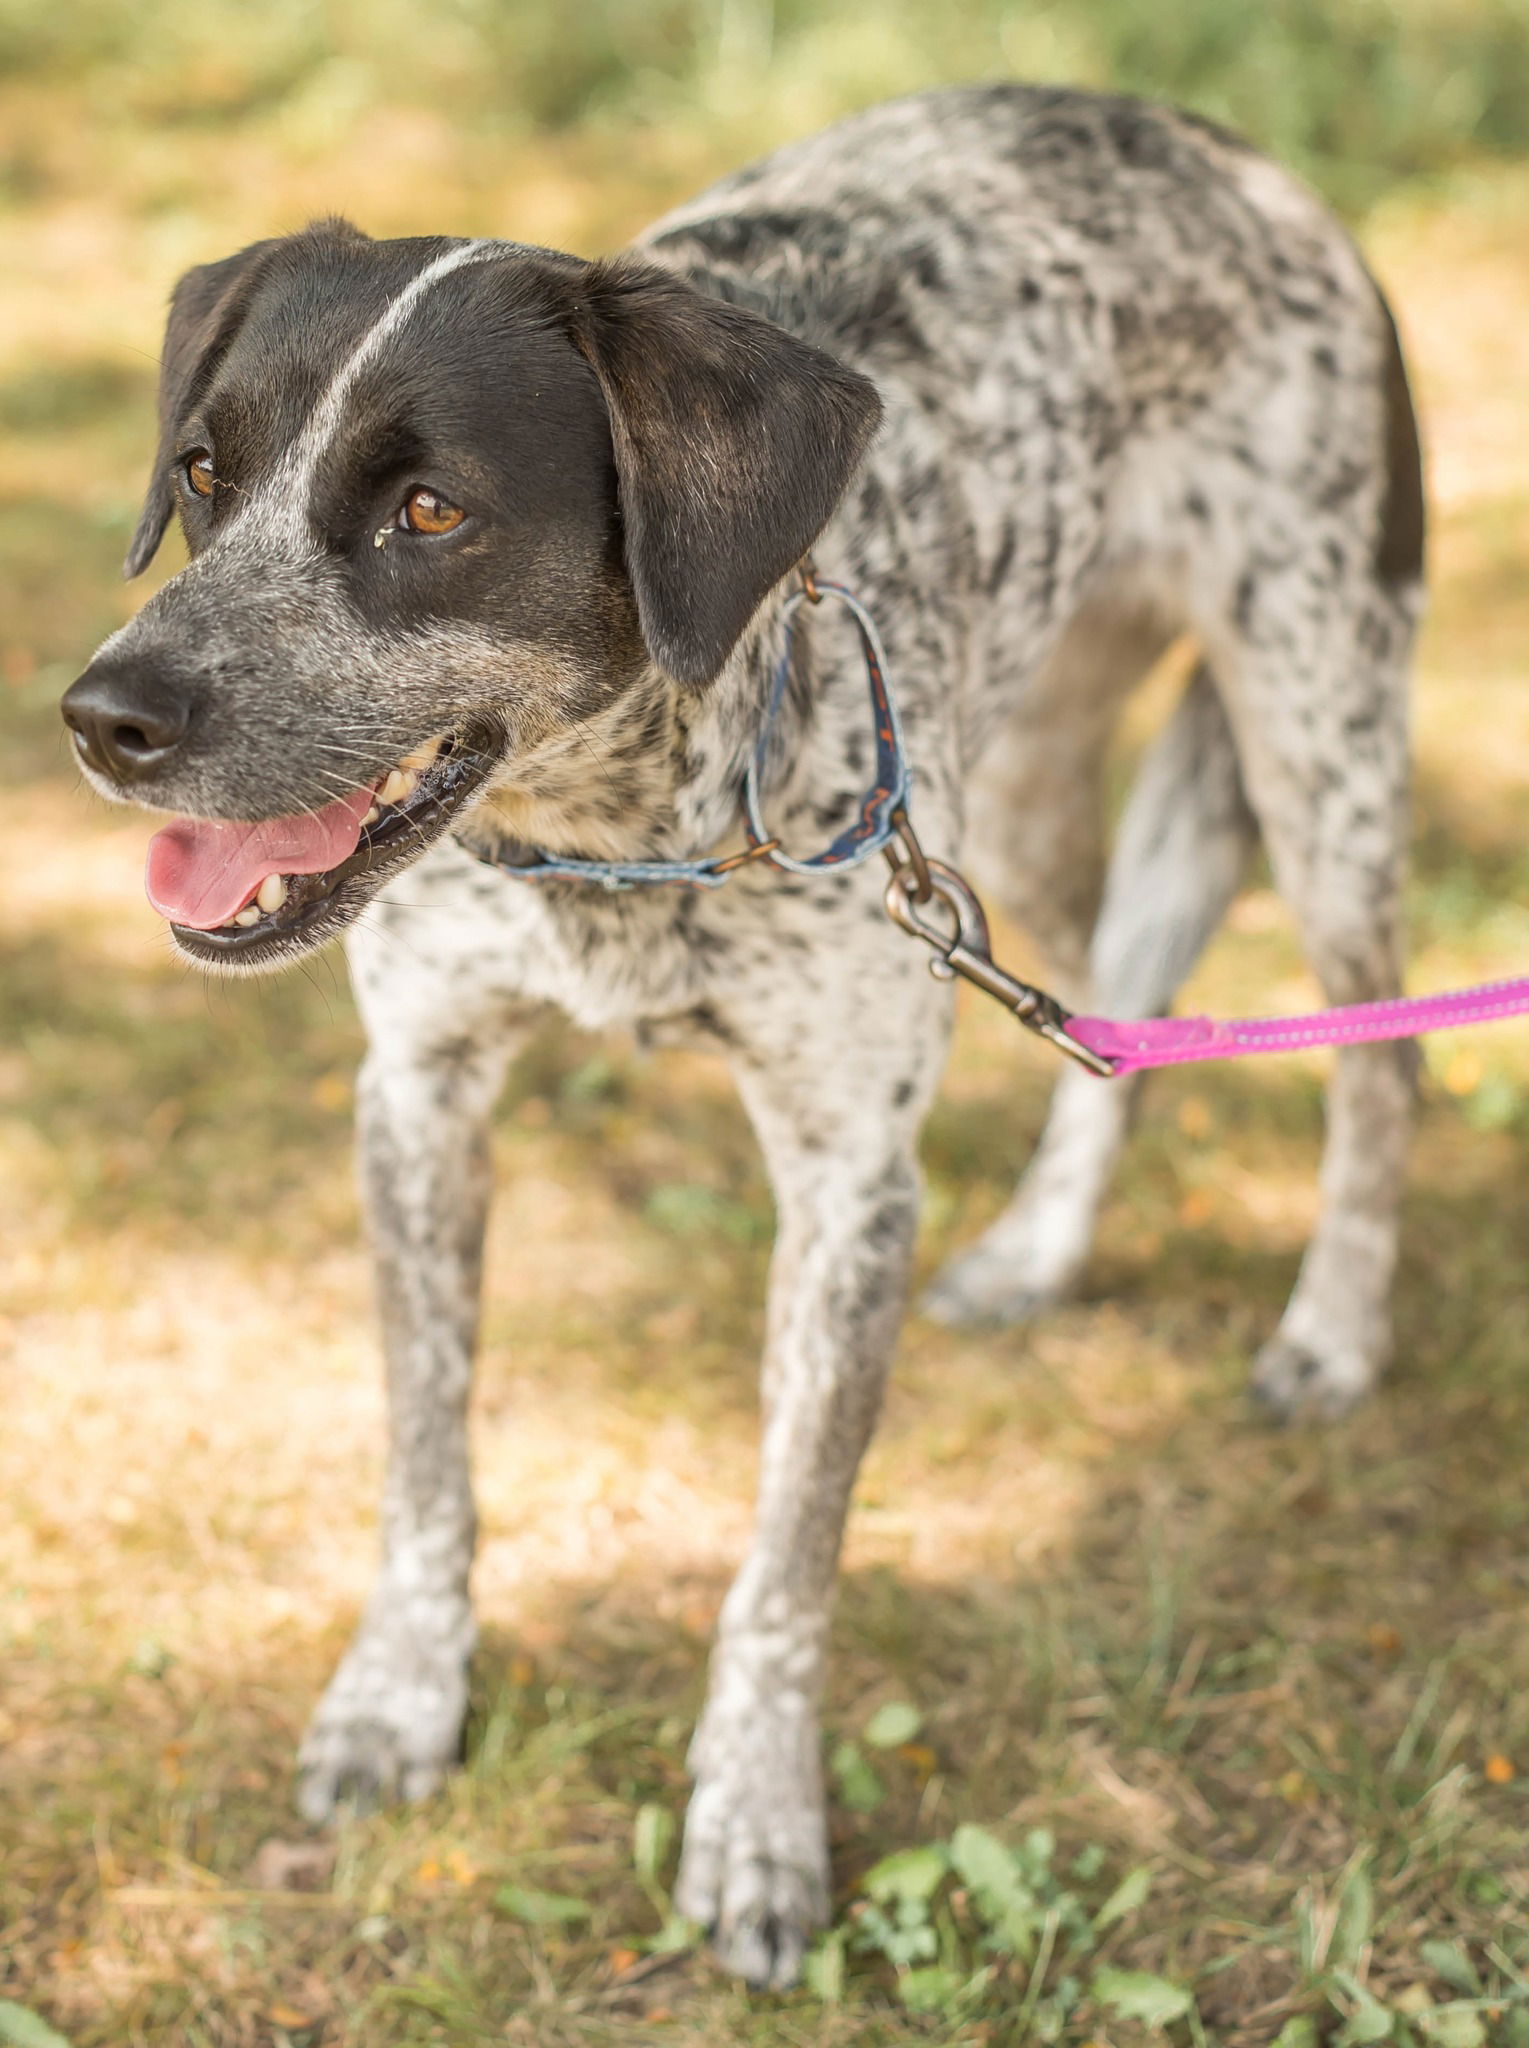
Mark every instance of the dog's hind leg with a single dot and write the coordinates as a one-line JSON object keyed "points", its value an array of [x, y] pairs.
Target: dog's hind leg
{"points": [[1318, 692], [1181, 851], [1036, 825], [837, 1087], [390, 1724]]}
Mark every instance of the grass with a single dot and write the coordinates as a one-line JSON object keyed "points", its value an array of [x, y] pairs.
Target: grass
{"points": [[1283, 1676]]}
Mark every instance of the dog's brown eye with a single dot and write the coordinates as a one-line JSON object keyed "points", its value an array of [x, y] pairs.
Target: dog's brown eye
{"points": [[199, 473], [428, 512]]}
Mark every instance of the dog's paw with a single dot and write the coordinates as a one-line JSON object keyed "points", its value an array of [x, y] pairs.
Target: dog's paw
{"points": [[987, 1290], [754, 1870], [754, 1875], [1300, 1380], [381, 1733]]}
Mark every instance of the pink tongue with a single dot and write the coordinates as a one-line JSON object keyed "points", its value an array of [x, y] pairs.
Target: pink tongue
{"points": [[202, 870]]}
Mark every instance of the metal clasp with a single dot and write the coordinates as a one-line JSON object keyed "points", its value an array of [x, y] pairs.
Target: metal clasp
{"points": [[967, 950], [761, 850]]}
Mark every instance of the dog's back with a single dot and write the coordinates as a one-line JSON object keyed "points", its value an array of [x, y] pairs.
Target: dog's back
{"points": [[1018, 261]]}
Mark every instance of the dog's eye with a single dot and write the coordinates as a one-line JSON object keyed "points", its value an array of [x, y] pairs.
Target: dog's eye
{"points": [[199, 472], [428, 512]]}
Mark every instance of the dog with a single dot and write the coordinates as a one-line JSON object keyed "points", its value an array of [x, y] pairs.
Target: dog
{"points": [[490, 555]]}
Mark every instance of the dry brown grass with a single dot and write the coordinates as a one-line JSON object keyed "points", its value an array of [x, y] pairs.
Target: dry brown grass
{"points": [[1125, 1609]]}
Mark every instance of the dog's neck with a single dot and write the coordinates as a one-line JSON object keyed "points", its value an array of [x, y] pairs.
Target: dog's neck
{"points": [[658, 773]]}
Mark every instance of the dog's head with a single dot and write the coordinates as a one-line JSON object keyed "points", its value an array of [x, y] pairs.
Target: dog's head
{"points": [[443, 500]]}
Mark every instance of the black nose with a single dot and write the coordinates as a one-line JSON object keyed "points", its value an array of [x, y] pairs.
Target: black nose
{"points": [[127, 722]]}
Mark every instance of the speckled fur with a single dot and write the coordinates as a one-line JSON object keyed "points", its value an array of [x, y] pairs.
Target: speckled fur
{"points": [[1136, 382]]}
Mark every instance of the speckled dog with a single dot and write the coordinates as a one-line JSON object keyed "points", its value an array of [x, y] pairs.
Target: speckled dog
{"points": [[489, 547]]}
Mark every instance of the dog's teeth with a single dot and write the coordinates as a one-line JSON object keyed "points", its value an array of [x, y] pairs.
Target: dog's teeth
{"points": [[372, 816], [398, 787], [272, 893], [246, 917], [422, 757]]}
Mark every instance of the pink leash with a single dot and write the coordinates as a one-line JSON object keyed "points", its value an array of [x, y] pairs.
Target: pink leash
{"points": [[1111, 1047], [1133, 1043]]}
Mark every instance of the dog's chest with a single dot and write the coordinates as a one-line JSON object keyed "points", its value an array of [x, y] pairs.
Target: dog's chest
{"points": [[472, 942]]}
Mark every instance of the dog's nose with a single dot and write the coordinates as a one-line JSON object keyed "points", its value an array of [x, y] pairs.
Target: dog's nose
{"points": [[126, 723]]}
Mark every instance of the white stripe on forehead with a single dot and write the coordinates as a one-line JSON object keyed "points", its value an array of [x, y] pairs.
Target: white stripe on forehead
{"points": [[275, 511], [324, 421]]}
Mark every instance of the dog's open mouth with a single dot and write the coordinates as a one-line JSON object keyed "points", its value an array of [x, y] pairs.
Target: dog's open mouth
{"points": [[235, 891]]}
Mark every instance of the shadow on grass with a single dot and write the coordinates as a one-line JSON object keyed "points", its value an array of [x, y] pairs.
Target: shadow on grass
{"points": [[1258, 1655], [158, 1098]]}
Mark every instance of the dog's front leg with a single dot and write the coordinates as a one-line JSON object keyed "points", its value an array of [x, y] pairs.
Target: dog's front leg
{"points": [[838, 1125], [390, 1724]]}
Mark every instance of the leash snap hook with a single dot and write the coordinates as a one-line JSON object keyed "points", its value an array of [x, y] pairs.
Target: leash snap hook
{"points": [[967, 951], [917, 882]]}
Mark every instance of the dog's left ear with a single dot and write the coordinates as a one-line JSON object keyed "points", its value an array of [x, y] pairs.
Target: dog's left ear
{"points": [[203, 309], [734, 441]]}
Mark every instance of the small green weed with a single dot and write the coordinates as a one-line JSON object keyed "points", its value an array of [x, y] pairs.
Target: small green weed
{"points": [[20, 2027], [971, 1922], [1333, 1941]]}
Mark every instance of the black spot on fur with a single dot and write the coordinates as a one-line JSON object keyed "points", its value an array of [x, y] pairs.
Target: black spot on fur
{"points": [[928, 269], [1003, 561], [881, 324], [1399, 546], [1139, 134], [749, 238]]}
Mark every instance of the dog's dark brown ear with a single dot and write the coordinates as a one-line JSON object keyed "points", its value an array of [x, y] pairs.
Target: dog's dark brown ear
{"points": [[203, 313], [734, 442]]}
